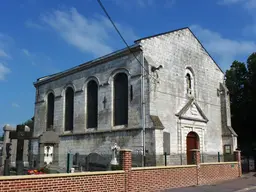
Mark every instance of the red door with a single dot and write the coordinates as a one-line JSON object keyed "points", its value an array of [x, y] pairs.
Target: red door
{"points": [[192, 143]]}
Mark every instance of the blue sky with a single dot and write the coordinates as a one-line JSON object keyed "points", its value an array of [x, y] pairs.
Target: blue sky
{"points": [[40, 37]]}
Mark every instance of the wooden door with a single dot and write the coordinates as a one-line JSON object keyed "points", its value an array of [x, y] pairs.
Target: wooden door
{"points": [[192, 143]]}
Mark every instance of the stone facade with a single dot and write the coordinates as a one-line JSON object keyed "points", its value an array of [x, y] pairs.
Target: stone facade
{"points": [[167, 108]]}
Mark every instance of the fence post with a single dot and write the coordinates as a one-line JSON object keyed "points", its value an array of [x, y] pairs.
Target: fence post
{"points": [[218, 156], [237, 155], [126, 164], [197, 160], [69, 162], [165, 158]]}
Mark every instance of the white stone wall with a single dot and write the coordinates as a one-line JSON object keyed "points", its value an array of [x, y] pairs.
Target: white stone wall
{"points": [[176, 51], [104, 74], [83, 140]]}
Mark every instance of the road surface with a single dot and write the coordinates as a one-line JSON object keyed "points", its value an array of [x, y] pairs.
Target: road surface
{"points": [[246, 183]]}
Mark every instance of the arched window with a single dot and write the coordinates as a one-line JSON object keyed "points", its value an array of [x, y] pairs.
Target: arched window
{"points": [[50, 111], [120, 99], [190, 82], [69, 109], [92, 104]]}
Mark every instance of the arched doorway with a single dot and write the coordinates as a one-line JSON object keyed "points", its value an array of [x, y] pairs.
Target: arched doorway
{"points": [[192, 143]]}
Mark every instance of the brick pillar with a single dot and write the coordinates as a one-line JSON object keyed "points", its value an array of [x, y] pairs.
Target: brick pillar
{"points": [[197, 160], [126, 159], [237, 155], [126, 164]]}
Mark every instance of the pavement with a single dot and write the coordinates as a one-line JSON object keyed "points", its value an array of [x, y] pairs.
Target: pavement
{"points": [[245, 183]]}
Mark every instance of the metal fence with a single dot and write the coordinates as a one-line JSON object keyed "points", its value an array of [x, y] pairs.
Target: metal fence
{"points": [[248, 163], [176, 159]]}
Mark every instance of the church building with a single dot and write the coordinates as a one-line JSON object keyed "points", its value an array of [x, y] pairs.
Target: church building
{"points": [[164, 94]]}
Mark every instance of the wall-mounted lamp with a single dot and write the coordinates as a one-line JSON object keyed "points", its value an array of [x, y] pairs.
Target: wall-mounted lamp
{"points": [[153, 69]]}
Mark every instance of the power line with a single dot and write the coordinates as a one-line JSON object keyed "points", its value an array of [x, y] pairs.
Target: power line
{"points": [[186, 98], [105, 11], [158, 79]]}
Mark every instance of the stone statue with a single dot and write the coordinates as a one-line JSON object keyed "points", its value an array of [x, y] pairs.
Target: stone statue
{"points": [[114, 149], [188, 80]]}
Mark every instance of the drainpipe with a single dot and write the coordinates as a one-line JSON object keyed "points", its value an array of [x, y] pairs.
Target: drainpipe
{"points": [[143, 111]]}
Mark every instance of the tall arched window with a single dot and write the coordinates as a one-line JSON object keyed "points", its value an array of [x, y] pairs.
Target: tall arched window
{"points": [[92, 104], [50, 111], [69, 109], [120, 99]]}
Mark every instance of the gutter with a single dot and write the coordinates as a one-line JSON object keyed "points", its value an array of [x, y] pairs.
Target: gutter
{"points": [[143, 112]]}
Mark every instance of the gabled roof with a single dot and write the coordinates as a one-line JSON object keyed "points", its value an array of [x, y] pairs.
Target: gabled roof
{"points": [[232, 131], [180, 29], [190, 103], [110, 56], [159, 34]]}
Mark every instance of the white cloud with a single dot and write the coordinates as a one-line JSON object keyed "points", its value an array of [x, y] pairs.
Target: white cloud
{"points": [[26, 52], [226, 50], [3, 71], [248, 4], [230, 1], [31, 24], [15, 105], [5, 42], [144, 3], [92, 35], [3, 54]]}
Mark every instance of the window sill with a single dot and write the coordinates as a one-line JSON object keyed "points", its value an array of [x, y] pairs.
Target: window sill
{"points": [[120, 126], [67, 132], [91, 129]]}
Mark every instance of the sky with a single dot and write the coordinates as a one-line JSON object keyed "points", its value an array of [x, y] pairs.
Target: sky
{"points": [[39, 38]]}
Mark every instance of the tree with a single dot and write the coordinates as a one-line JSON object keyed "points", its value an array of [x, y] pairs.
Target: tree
{"points": [[30, 123], [241, 82], [251, 65], [237, 83]]}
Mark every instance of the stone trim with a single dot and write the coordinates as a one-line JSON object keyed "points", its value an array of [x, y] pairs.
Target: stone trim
{"points": [[157, 123], [58, 96], [128, 150], [185, 108], [79, 91], [136, 75], [105, 131], [162, 167], [59, 175], [104, 84], [39, 102], [68, 134], [220, 163], [194, 119]]}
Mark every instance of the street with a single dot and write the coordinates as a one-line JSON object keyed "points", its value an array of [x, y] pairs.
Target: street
{"points": [[245, 183]]}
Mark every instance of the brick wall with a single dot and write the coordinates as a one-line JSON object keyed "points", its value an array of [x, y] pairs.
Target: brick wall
{"points": [[213, 173], [155, 179], [129, 179], [105, 181]]}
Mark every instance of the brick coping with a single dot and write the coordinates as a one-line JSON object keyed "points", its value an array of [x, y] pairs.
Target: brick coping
{"points": [[162, 167], [220, 163], [20, 177]]}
